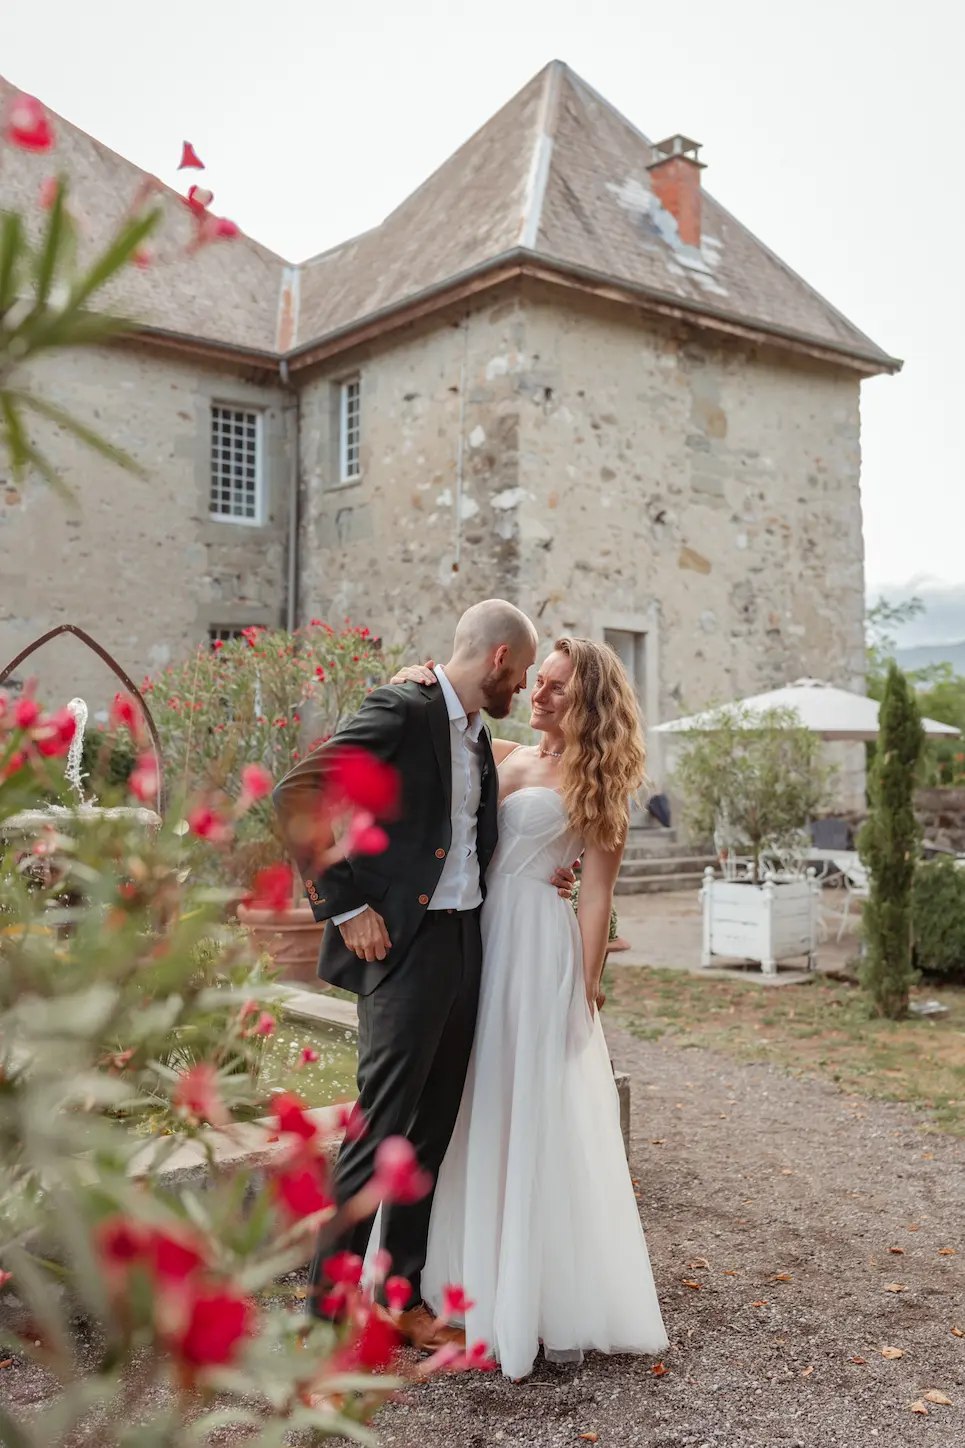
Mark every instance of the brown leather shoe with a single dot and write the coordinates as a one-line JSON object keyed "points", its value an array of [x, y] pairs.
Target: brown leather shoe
{"points": [[425, 1333]]}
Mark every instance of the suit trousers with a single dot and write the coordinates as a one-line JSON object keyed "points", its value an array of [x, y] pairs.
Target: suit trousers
{"points": [[415, 1037]]}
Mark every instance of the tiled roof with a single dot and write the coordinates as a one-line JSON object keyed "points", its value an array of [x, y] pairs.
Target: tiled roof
{"points": [[557, 178]]}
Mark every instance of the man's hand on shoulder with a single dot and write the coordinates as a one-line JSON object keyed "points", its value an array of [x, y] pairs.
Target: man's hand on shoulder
{"points": [[366, 935]]}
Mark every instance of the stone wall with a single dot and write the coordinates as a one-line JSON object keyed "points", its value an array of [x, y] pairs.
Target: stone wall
{"points": [[137, 563], [698, 504]]}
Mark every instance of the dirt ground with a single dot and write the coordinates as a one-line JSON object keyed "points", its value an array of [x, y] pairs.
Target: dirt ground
{"points": [[794, 1195]]}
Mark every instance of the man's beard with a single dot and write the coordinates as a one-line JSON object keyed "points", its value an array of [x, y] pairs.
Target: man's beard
{"points": [[498, 691]]}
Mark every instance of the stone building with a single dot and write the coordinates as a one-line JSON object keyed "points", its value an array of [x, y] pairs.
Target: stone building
{"points": [[559, 372]]}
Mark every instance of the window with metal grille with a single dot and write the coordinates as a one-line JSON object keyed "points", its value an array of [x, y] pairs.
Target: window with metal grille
{"points": [[218, 634], [350, 430], [235, 464]]}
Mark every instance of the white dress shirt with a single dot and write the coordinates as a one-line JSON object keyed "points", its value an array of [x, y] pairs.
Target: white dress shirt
{"points": [[458, 887]]}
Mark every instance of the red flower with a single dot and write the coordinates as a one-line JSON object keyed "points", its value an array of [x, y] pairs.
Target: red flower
{"points": [[320, 674], [219, 1322], [190, 158], [256, 782], [397, 1293], [381, 1264], [264, 1026], [375, 1346], [455, 1303], [198, 1096], [125, 714], [26, 712], [272, 889], [27, 125], [218, 645], [199, 198], [293, 1119], [300, 1189], [316, 623], [48, 193], [350, 1118], [344, 1268], [143, 257], [5, 1277], [308, 1057], [358, 778], [207, 824], [398, 1176], [55, 734], [144, 781], [477, 1357], [121, 1242], [174, 1259]]}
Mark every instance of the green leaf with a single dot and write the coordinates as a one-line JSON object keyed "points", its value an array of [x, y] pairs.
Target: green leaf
{"points": [[24, 455], [115, 258], [12, 253], [58, 226], [79, 430]]}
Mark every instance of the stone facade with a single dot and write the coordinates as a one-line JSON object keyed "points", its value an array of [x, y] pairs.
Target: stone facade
{"points": [[696, 503], [138, 563]]}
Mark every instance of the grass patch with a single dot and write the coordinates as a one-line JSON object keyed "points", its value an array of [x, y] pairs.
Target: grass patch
{"points": [[823, 1029]]}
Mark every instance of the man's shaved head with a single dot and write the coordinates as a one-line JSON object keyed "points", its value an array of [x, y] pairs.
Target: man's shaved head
{"points": [[493, 650], [486, 625]]}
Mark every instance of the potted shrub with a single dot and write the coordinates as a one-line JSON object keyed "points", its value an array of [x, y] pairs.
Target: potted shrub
{"points": [[263, 700], [758, 779]]}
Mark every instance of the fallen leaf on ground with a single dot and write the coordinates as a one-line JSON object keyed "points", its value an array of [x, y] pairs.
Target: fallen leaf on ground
{"points": [[589, 1437], [761, 1303], [914, 1228], [635, 1181], [958, 1332], [781, 1277], [689, 1283], [301, 1291], [898, 1251], [659, 1371], [928, 1155], [918, 1407], [730, 1274], [934, 1396], [786, 1171], [859, 1360], [697, 1263], [656, 1141], [806, 1372], [892, 1352], [7, 1362], [893, 1287], [946, 1251]]}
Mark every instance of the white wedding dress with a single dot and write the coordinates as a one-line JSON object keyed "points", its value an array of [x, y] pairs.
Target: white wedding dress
{"points": [[534, 1212]]}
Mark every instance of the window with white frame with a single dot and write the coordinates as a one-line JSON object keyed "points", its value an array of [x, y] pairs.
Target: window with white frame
{"points": [[236, 464], [350, 429]]}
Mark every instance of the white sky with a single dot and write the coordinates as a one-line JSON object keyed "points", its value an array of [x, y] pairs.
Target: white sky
{"points": [[832, 128]]}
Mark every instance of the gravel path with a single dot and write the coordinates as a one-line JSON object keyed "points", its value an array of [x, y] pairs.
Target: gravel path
{"points": [[762, 1175]]}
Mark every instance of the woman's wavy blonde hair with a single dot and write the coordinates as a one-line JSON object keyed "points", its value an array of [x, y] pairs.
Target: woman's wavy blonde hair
{"points": [[604, 755]]}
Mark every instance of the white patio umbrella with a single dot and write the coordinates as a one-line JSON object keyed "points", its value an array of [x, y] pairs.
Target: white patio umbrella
{"points": [[823, 709]]}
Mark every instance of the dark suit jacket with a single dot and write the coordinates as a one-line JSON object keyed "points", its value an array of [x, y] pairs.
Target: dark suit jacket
{"points": [[406, 725]]}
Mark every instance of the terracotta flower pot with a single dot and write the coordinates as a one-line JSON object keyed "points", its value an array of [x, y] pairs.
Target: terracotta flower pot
{"points": [[292, 938]]}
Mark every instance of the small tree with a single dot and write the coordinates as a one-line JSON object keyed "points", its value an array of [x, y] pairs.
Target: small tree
{"points": [[888, 844], [759, 776]]}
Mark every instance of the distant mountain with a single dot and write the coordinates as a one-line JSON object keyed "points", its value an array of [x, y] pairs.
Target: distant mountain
{"points": [[923, 656]]}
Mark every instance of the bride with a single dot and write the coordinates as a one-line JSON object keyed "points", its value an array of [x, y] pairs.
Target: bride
{"points": [[534, 1211]]}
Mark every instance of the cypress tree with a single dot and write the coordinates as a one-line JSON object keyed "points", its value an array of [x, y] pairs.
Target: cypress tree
{"points": [[888, 844]]}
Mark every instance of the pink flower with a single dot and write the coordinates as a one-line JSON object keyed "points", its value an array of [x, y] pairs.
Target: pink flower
{"points": [[477, 1358], [350, 1119], [373, 1349], [256, 783], [320, 674], [190, 158], [26, 712], [293, 1119], [199, 198], [5, 1277], [455, 1303], [126, 715], [358, 778], [381, 1265], [143, 258], [174, 1259], [264, 1026], [344, 1268], [308, 1057], [218, 1323], [218, 645], [398, 1176], [122, 1241], [397, 1293], [48, 193], [272, 889], [27, 125], [364, 836], [197, 1094], [144, 781]]}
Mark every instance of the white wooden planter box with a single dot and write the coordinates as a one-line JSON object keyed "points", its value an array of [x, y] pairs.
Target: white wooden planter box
{"points": [[774, 921]]}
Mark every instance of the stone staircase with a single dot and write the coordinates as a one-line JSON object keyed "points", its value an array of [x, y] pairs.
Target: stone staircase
{"points": [[655, 861]]}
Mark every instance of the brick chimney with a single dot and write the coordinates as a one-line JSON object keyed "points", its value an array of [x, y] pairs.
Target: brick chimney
{"points": [[675, 179]]}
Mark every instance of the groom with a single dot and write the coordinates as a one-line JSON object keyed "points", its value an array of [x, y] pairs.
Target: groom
{"points": [[404, 933]]}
